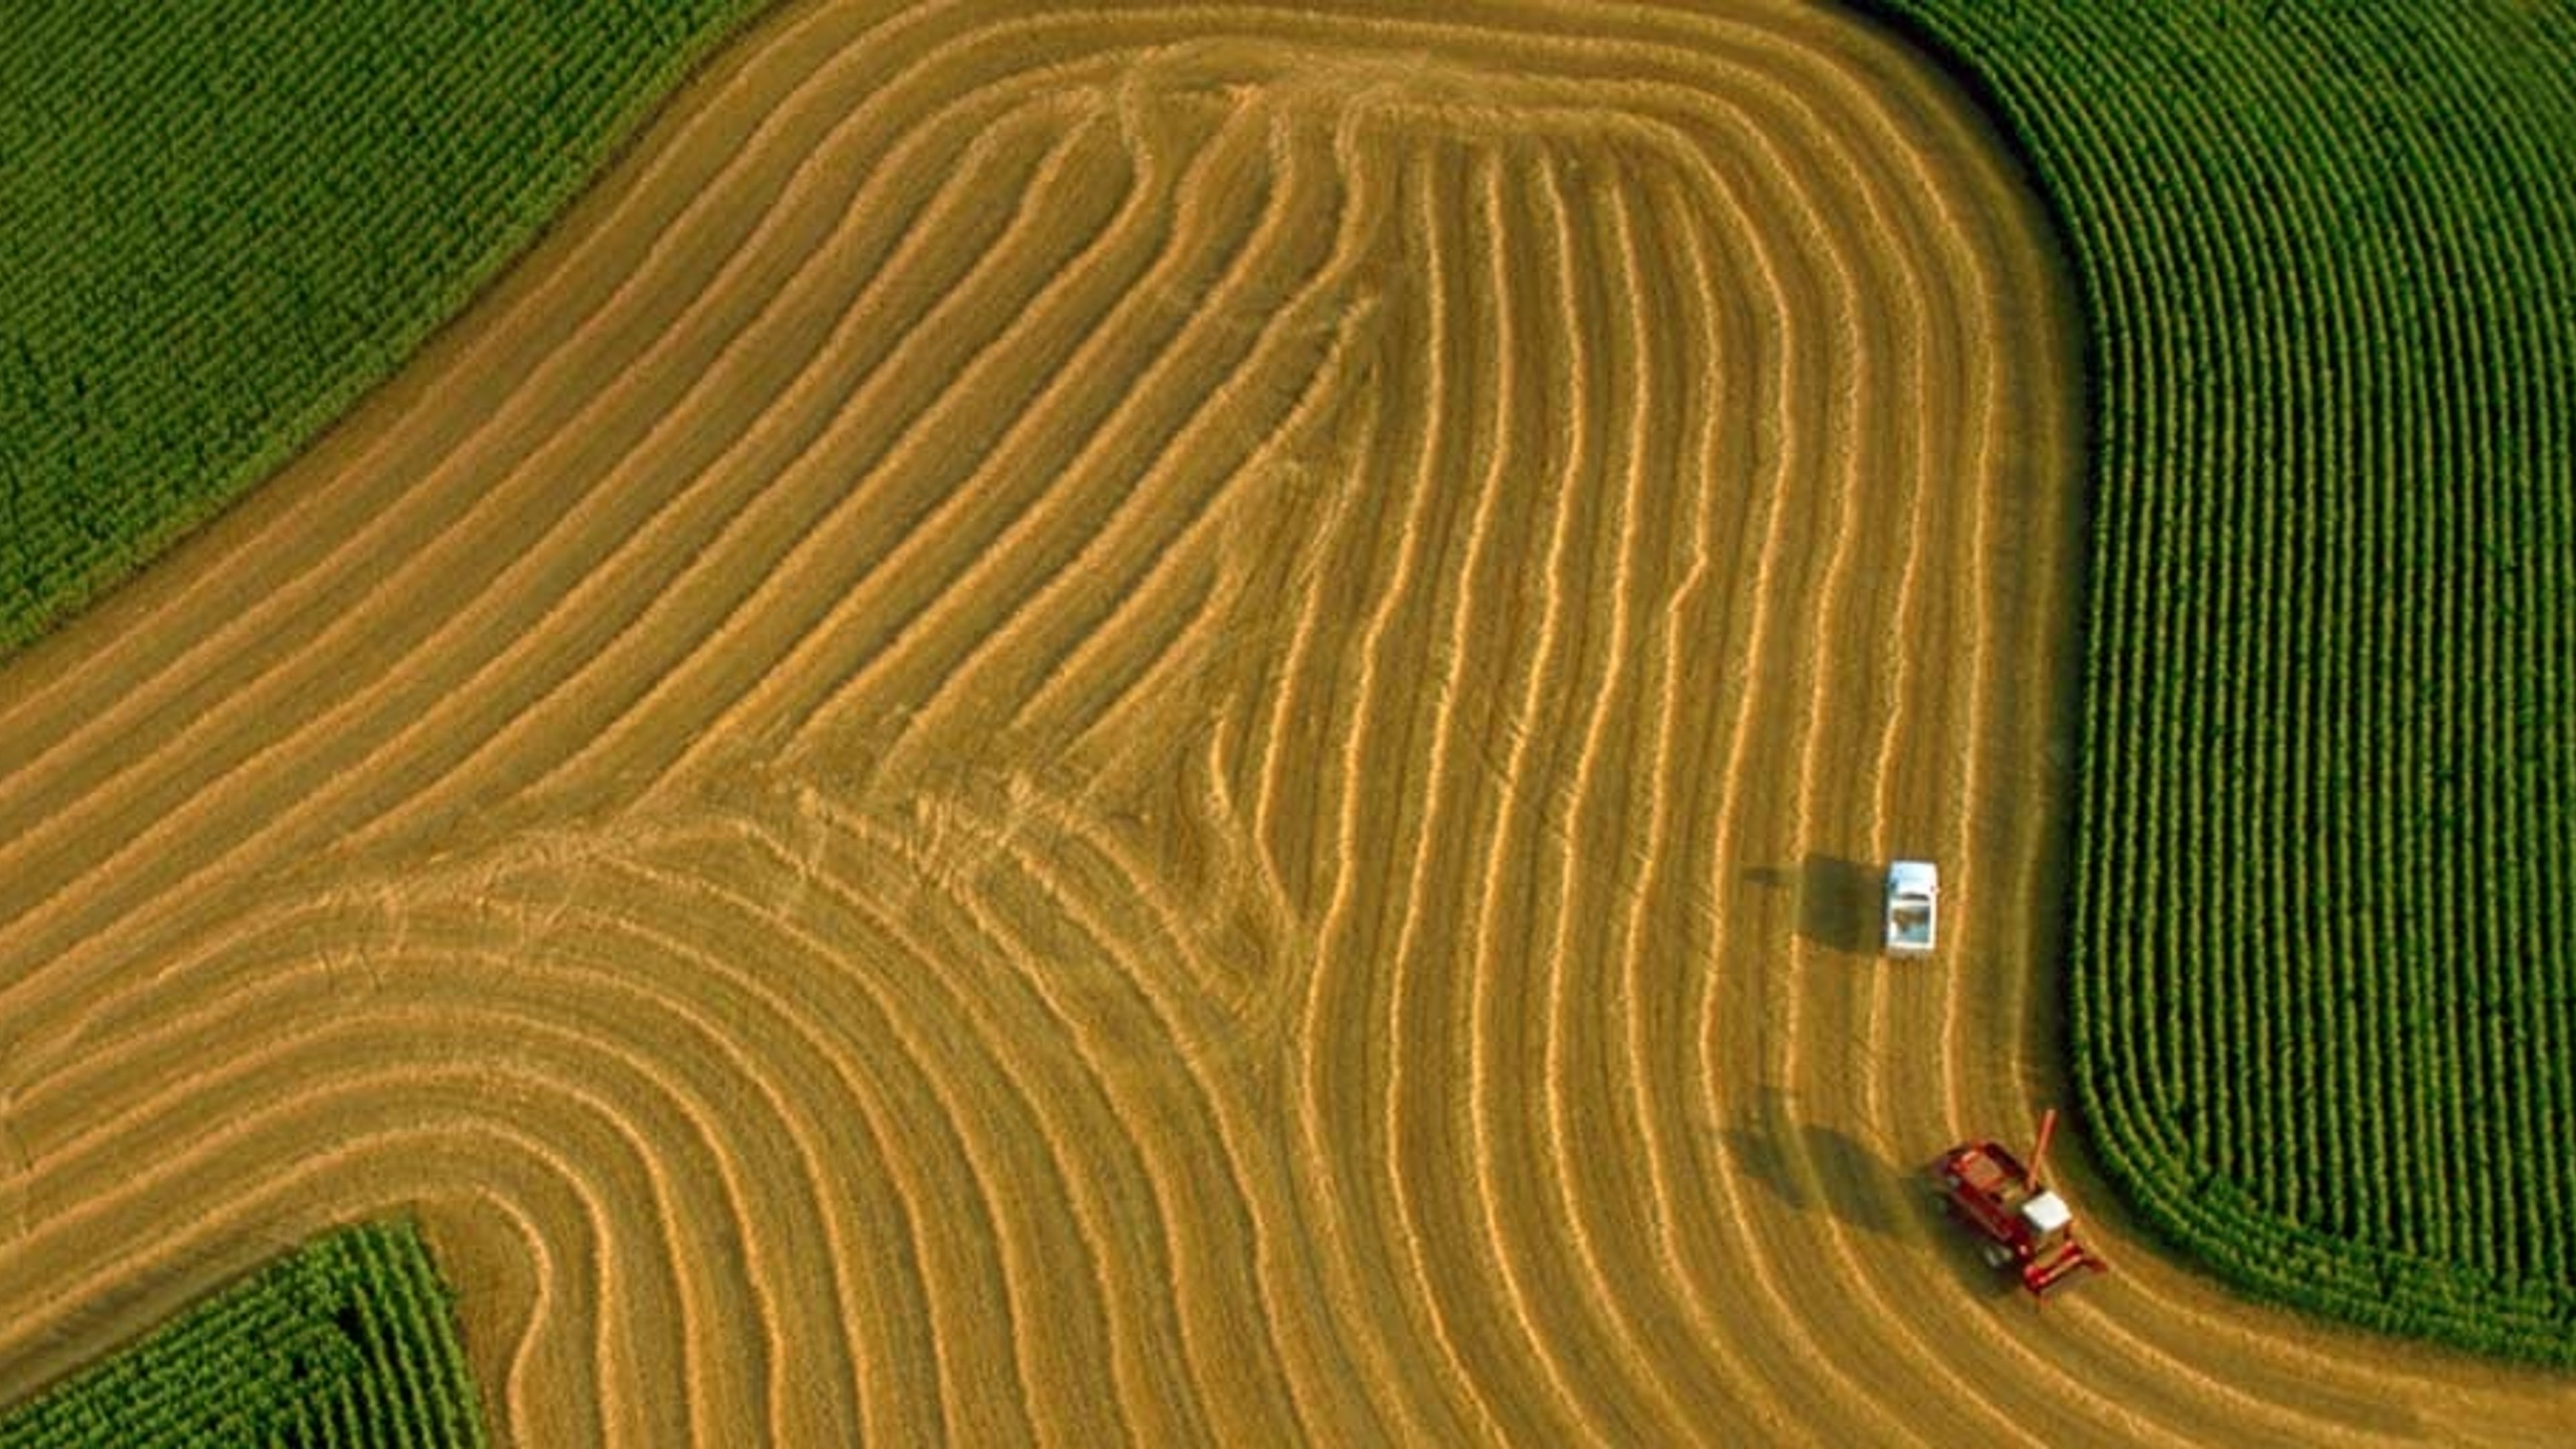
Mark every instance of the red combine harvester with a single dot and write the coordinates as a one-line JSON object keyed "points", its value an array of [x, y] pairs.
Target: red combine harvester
{"points": [[2026, 1226]]}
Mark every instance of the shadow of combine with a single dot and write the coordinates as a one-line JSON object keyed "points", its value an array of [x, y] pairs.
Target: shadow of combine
{"points": [[1807, 1166], [1816, 1168]]}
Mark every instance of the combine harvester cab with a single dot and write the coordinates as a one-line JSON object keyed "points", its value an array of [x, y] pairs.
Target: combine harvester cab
{"points": [[2027, 1227], [1913, 907]]}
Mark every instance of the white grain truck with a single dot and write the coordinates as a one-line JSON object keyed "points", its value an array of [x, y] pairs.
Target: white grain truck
{"points": [[1913, 907]]}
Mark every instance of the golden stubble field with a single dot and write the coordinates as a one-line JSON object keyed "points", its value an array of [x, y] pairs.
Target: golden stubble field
{"points": [[1167, 723]]}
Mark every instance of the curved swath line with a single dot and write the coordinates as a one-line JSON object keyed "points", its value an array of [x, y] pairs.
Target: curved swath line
{"points": [[1508, 827], [1984, 319], [1258, 880], [1709, 1302], [2102, 1332], [1960, 996], [1170, 933], [1105, 938], [17, 1168], [1540, 828], [1666, 653], [355, 625], [1856, 394], [775, 1350], [1691, 1296], [210, 1244], [512, 1389], [1860, 394], [1131, 325], [1623, 453], [957, 1406], [1124, 1338], [1374, 191], [471, 1084], [990, 1043], [1937, 230], [1868, 186], [1220, 409], [1717, 196], [509, 1386], [1702, 178], [422, 1153], [1173, 632], [708, 964], [1101, 255], [1405, 967], [765, 608], [1131, 504], [281, 1064], [1394, 1381], [1400, 957], [1170, 626], [1271, 744], [578, 274]]}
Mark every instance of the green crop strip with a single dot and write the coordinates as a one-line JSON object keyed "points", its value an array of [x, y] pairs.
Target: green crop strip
{"points": [[351, 1341], [222, 221], [2323, 989]]}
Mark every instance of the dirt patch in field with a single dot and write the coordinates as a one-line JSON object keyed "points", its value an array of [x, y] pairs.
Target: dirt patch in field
{"points": [[1167, 723]]}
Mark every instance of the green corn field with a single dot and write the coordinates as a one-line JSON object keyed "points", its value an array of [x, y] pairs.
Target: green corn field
{"points": [[2322, 996], [350, 1341]]}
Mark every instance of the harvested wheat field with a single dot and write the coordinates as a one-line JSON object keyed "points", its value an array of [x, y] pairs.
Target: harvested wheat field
{"points": [[1165, 723]]}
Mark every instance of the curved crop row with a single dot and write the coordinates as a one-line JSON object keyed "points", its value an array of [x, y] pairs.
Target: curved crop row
{"points": [[2320, 997]]}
